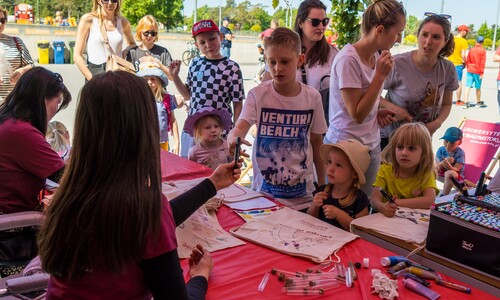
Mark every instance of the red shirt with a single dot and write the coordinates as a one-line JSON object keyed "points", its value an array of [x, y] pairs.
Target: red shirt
{"points": [[130, 284], [26, 159], [476, 60]]}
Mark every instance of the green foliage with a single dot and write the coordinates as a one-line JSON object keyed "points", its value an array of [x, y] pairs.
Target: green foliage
{"points": [[412, 26], [256, 28], [485, 31], [345, 19], [471, 42], [410, 40], [167, 12], [487, 43]]}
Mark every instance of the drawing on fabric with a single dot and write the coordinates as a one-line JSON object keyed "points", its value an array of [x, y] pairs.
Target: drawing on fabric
{"points": [[201, 228], [282, 146], [413, 216], [295, 233]]}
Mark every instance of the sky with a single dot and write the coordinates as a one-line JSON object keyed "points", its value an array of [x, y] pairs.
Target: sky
{"points": [[462, 11]]}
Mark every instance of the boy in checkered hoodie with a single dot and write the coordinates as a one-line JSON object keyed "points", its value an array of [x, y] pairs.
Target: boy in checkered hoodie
{"points": [[212, 81]]}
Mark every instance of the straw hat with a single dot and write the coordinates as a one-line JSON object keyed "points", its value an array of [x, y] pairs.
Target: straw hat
{"points": [[358, 154]]}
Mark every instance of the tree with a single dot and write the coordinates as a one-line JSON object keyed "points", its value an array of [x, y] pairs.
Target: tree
{"points": [[345, 19], [412, 26], [485, 31], [167, 12]]}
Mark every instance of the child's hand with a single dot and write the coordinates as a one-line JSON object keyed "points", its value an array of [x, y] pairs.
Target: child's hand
{"points": [[319, 198], [175, 67], [389, 209], [330, 211], [385, 117], [231, 142]]}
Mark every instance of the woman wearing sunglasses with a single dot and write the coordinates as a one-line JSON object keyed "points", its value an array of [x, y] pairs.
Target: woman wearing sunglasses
{"points": [[421, 84], [105, 16], [14, 61], [147, 35], [357, 78], [310, 24], [26, 158]]}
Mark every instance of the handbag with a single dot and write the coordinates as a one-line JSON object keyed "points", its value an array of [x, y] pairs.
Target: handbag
{"points": [[115, 62], [324, 92]]}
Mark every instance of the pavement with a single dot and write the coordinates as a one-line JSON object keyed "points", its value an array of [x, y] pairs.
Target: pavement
{"points": [[74, 80]]}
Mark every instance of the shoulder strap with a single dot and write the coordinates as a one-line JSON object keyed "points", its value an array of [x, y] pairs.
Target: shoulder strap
{"points": [[104, 35], [18, 46], [304, 74]]}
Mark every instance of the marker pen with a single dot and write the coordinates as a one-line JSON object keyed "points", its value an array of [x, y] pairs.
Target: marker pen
{"points": [[392, 260], [454, 286]]}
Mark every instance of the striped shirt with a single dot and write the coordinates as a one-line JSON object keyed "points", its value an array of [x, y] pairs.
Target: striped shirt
{"points": [[16, 57]]}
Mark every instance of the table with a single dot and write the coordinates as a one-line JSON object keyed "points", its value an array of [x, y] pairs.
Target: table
{"points": [[238, 271], [469, 276]]}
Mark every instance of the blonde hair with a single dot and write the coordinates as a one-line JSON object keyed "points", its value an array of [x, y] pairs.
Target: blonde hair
{"points": [[5, 13], [159, 90], [198, 126], [284, 37], [382, 12], [57, 136], [349, 199], [98, 12], [409, 134], [146, 22]]}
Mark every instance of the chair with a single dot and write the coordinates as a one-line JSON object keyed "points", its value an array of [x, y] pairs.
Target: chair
{"points": [[481, 143], [17, 284]]}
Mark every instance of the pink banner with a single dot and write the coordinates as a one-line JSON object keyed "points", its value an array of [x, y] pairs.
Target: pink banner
{"points": [[480, 142]]}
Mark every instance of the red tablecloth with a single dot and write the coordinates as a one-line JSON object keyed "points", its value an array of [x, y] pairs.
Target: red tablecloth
{"points": [[238, 271]]}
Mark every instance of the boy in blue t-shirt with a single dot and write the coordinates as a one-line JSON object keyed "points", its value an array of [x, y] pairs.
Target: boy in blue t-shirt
{"points": [[450, 158], [212, 81]]}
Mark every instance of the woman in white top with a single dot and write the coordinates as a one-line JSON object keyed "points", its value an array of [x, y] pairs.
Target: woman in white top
{"points": [[310, 24], [357, 78], [15, 59], [104, 13]]}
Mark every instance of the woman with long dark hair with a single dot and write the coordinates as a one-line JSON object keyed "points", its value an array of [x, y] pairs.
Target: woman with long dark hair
{"points": [[109, 232]]}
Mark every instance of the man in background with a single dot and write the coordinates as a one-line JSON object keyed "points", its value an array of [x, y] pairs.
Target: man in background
{"points": [[459, 57], [228, 38], [476, 62]]}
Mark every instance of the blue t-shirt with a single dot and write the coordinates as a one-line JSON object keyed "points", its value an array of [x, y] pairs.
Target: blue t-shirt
{"points": [[458, 155]]}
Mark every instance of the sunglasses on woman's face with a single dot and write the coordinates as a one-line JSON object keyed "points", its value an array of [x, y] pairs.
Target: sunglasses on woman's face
{"points": [[315, 22], [3, 20], [107, 1], [150, 33]]}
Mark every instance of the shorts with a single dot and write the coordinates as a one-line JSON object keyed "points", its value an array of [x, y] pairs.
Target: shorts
{"points": [[460, 71], [473, 79]]}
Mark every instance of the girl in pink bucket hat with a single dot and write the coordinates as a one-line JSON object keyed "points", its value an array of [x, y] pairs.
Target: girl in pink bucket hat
{"points": [[206, 126], [341, 200]]}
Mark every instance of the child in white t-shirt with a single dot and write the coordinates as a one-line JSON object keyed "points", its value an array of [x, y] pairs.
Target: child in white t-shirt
{"points": [[290, 126]]}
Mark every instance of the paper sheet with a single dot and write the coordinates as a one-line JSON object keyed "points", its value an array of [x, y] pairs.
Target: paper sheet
{"points": [[251, 215], [251, 204], [232, 193]]}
